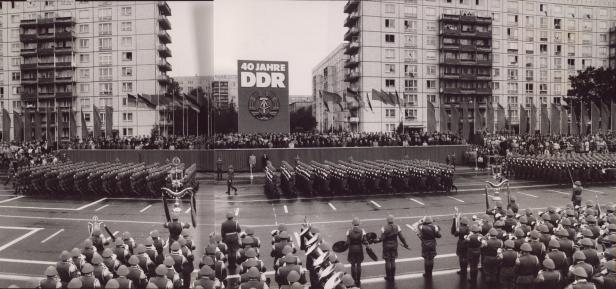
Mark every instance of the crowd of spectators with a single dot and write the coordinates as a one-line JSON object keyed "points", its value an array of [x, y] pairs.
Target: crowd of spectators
{"points": [[13, 155], [498, 144]]}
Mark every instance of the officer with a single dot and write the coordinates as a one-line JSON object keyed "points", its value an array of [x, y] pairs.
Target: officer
{"points": [[576, 196], [219, 169], [428, 233], [356, 239], [230, 177], [491, 247], [230, 230], [66, 269], [390, 234], [507, 259], [527, 267], [161, 281], [52, 281], [175, 227], [474, 242], [461, 230]]}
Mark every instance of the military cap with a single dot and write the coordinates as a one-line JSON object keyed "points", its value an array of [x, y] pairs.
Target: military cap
{"points": [[75, 283], [282, 227], [88, 243], [148, 241], [549, 264], [250, 231], [51, 271], [119, 242], [314, 230], [251, 253], [123, 270], [217, 238], [390, 219], [611, 227], [512, 199], [587, 242], [185, 233], [509, 244], [253, 272], [546, 217], [355, 221], [554, 244], [551, 209], [284, 235], [526, 247], [523, 220], [65, 256], [175, 246], [287, 250], [75, 252], [589, 203], [112, 284], [493, 232], [611, 238], [182, 241], [427, 220], [348, 281], [579, 256], [133, 260], [97, 259], [140, 249], [293, 277], [580, 272], [519, 233], [499, 224], [87, 268]]}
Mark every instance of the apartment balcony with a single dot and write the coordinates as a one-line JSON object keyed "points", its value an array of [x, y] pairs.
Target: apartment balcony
{"points": [[452, 61], [28, 52], [64, 79], [450, 90], [483, 48], [28, 95], [468, 33], [46, 94], [350, 33], [483, 20], [449, 32], [164, 37], [64, 94], [45, 51], [65, 21], [470, 48], [449, 76], [163, 79], [163, 8], [484, 62], [29, 81], [450, 18], [467, 76], [483, 34], [164, 65], [64, 50], [483, 91], [351, 48], [351, 63], [351, 6], [351, 77], [450, 46], [484, 77], [27, 38], [43, 37], [46, 80], [351, 20], [164, 22], [28, 66], [164, 51], [65, 65], [65, 35], [27, 23]]}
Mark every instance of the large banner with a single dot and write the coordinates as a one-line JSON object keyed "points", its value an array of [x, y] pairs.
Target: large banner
{"points": [[263, 96]]}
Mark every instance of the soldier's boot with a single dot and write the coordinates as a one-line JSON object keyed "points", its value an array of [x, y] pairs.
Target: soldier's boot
{"points": [[428, 265], [473, 277], [463, 267]]}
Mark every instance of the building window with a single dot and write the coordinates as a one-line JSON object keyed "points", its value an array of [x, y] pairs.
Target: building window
{"points": [[126, 11], [128, 56], [15, 61], [431, 84], [410, 85], [86, 116], [15, 75], [390, 112], [15, 18], [84, 87], [529, 88], [431, 97], [390, 83], [390, 38], [390, 23], [104, 43], [410, 114], [84, 28], [105, 73], [105, 14], [105, 59], [390, 68], [84, 43], [389, 53], [126, 26], [431, 70], [127, 71], [557, 23], [390, 8], [410, 99], [127, 87], [104, 29], [84, 58], [127, 42], [84, 73], [128, 117], [106, 89], [390, 127]]}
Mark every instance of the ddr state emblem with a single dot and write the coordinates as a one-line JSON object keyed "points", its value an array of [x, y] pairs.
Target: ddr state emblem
{"points": [[263, 105]]}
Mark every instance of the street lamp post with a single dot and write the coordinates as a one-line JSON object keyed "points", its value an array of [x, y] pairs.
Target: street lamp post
{"points": [[476, 157]]}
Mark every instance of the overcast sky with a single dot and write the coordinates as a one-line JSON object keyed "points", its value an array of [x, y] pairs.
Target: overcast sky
{"points": [[301, 32]]}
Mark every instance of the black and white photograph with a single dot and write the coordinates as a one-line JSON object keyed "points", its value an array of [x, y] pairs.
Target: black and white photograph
{"points": [[308, 144]]}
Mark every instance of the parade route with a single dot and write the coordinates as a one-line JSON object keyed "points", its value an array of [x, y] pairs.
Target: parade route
{"points": [[35, 230]]}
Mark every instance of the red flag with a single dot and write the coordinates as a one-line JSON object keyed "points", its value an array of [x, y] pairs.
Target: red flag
{"points": [[500, 118], [455, 120], [575, 115], [490, 118], [465, 122], [555, 119], [18, 127], [564, 121], [443, 118], [533, 119], [594, 117], [37, 125], [545, 121], [97, 123], [6, 125], [108, 122], [523, 120], [431, 121], [583, 119]]}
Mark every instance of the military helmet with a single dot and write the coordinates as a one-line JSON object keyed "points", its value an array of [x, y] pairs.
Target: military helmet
{"points": [[509, 244], [161, 270], [427, 220], [390, 219], [580, 272], [112, 284], [493, 232], [348, 281], [355, 221], [526, 248], [123, 270], [65, 256], [549, 264], [554, 244], [97, 259], [75, 283], [293, 277], [87, 268], [51, 271], [579, 256]]}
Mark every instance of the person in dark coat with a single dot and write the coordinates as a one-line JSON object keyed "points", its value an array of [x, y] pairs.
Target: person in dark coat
{"points": [[461, 230], [389, 236], [230, 177], [428, 233], [356, 239]]}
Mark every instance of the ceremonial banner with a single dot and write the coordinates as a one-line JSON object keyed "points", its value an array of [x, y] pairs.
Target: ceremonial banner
{"points": [[613, 114], [477, 120], [564, 121], [583, 119], [574, 128], [545, 121], [523, 120], [594, 117], [388, 97], [455, 120], [97, 123], [28, 125], [605, 117], [443, 118], [369, 102], [48, 135], [84, 127], [37, 125], [533, 119], [72, 129], [6, 125], [465, 122], [500, 118], [108, 122], [555, 119], [490, 118], [431, 121], [332, 97], [18, 127], [263, 96]]}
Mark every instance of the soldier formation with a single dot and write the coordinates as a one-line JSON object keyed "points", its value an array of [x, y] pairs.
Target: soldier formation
{"points": [[562, 168], [573, 247], [354, 177]]}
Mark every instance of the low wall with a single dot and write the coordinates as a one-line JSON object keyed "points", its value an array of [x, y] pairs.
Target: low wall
{"points": [[206, 159]]}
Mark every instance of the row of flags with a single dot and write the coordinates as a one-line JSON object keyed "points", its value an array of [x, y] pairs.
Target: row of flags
{"points": [[591, 117]]}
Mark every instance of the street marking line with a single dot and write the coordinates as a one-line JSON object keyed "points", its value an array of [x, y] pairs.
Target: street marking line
{"points": [[375, 204], [76, 219], [11, 199], [332, 206], [408, 276], [187, 210], [26, 235], [598, 192], [21, 278], [416, 201], [529, 195], [144, 209], [101, 208], [286, 210], [90, 204], [558, 192], [461, 201], [52, 235], [34, 262]]}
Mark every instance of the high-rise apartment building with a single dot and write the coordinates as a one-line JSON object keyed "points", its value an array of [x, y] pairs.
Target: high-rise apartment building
{"points": [[59, 58], [188, 83], [224, 91], [530, 48], [613, 47]]}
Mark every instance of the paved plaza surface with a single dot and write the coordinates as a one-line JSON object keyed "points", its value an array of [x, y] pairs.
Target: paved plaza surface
{"points": [[34, 230]]}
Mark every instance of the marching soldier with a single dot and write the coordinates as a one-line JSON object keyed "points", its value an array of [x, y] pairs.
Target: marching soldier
{"points": [[219, 169], [175, 227], [52, 281], [87, 278], [390, 234], [576, 196], [581, 281], [491, 248], [230, 230], [101, 272], [461, 230], [549, 277], [428, 233], [527, 267], [356, 239], [507, 260], [230, 177], [66, 269], [161, 281]]}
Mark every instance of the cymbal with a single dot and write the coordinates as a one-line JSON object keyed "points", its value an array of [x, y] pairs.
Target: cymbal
{"points": [[340, 246]]}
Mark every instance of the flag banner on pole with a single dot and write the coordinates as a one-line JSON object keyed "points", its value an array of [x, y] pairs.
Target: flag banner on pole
{"points": [[97, 123], [605, 117], [574, 127], [583, 119], [324, 102], [477, 119], [37, 125], [108, 122], [564, 121], [523, 120], [48, 114], [369, 102], [455, 120], [595, 116], [18, 127], [84, 126], [355, 98], [147, 100], [555, 119], [465, 122], [397, 99], [431, 118], [379, 96], [490, 118], [6, 125], [72, 129], [387, 97], [613, 115], [533, 119], [545, 121], [500, 118], [132, 100], [28, 125], [444, 119]]}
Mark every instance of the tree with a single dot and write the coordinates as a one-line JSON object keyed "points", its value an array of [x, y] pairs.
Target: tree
{"points": [[302, 120]]}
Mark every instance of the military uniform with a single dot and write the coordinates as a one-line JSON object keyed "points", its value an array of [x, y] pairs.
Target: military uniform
{"points": [[356, 239], [460, 231], [390, 234], [229, 231], [527, 268], [428, 233]]}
